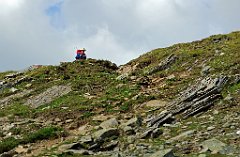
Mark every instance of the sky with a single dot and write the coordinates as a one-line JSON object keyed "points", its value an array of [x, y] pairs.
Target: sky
{"points": [[47, 32]]}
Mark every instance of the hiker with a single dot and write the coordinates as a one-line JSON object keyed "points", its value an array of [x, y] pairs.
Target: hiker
{"points": [[81, 54]]}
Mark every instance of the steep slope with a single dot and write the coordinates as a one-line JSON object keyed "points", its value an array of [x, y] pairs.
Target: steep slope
{"points": [[177, 101]]}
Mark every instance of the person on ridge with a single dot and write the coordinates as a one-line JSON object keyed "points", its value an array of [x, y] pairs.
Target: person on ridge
{"points": [[81, 54]]}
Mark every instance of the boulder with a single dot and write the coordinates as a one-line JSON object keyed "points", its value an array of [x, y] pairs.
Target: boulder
{"points": [[181, 136], [85, 129], [111, 123], [78, 152], [128, 130], [213, 145], [229, 150], [109, 146], [134, 122], [165, 64], [86, 139], [163, 153], [72, 146], [103, 134]]}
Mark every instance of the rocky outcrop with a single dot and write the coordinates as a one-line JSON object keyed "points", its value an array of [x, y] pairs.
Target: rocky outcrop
{"points": [[195, 99], [48, 96], [13, 79], [5, 101], [165, 64], [163, 153]]}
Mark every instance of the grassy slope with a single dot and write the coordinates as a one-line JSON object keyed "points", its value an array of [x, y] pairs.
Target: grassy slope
{"points": [[111, 96]]}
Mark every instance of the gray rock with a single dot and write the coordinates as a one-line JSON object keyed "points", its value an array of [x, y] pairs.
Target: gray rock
{"points": [[228, 150], [7, 100], [13, 89], [227, 125], [163, 153], [146, 134], [156, 133], [95, 146], [134, 122], [210, 128], [78, 152], [2, 82], [165, 64], [131, 139], [151, 132], [228, 98], [122, 77], [10, 153], [205, 71], [117, 154], [86, 139], [20, 149], [12, 75], [213, 145], [171, 125], [215, 112], [75, 146], [111, 123], [103, 134], [181, 136], [110, 146], [193, 100], [128, 130], [48, 96], [68, 120], [238, 132]]}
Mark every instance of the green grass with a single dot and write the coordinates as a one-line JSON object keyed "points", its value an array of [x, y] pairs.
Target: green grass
{"points": [[8, 144], [41, 134], [16, 109], [44, 133], [111, 96]]}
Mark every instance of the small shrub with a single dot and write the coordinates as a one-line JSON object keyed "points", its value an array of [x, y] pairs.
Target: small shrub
{"points": [[44, 133], [8, 144]]}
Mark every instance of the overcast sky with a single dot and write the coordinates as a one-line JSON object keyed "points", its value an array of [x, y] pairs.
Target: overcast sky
{"points": [[47, 31]]}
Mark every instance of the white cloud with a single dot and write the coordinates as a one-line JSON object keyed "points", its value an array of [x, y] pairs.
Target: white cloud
{"points": [[109, 29], [105, 45], [152, 12], [10, 3]]}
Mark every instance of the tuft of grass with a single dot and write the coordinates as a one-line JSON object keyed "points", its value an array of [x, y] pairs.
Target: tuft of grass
{"points": [[41, 134], [44, 133], [8, 144]]}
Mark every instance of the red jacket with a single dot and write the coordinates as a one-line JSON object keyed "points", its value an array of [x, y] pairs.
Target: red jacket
{"points": [[81, 52]]}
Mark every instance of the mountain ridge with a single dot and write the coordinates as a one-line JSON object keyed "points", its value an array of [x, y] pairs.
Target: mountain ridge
{"points": [[174, 101]]}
